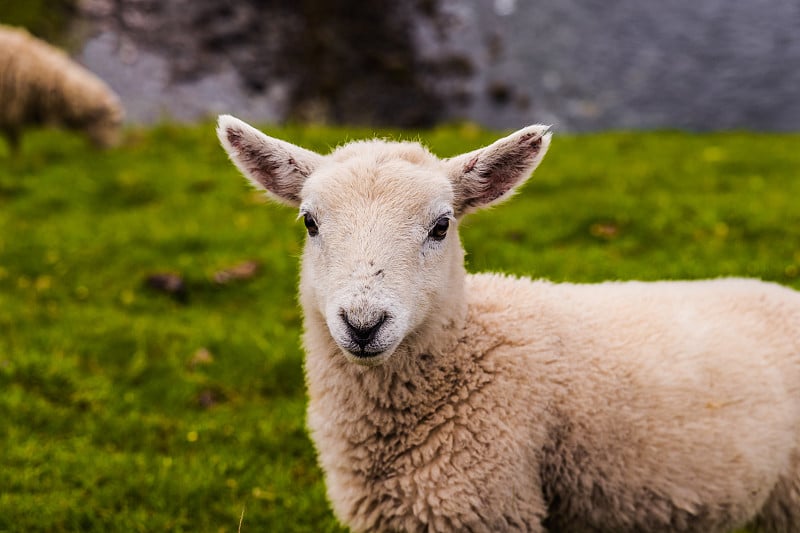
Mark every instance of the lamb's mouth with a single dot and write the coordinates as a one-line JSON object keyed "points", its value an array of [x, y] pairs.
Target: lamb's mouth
{"points": [[367, 356], [364, 353]]}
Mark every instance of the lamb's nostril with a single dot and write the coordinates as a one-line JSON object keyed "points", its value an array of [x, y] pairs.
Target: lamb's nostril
{"points": [[363, 334]]}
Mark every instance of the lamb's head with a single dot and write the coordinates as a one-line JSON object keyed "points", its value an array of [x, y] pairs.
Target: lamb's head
{"points": [[103, 122], [382, 261]]}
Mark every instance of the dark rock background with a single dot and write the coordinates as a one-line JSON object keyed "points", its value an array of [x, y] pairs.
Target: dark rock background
{"points": [[336, 61], [578, 64]]}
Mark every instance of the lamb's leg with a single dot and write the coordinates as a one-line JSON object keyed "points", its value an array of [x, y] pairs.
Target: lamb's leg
{"points": [[781, 512]]}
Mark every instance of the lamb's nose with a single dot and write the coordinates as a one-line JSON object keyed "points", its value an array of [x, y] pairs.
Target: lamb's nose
{"points": [[363, 334]]}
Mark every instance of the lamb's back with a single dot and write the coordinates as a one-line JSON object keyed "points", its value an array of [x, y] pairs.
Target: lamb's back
{"points": [[674, 398]]}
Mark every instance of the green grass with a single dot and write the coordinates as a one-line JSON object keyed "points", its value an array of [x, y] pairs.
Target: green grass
{"points": [[109, 421]]}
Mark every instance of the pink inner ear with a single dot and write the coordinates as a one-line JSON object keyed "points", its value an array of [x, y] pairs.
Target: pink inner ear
{"points": [[502, 172], [265, 167], [501, 179], [537, 142], [471, 164]]}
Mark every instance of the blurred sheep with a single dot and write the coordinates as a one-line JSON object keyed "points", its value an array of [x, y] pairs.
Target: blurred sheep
{"points": [[41, 85]]}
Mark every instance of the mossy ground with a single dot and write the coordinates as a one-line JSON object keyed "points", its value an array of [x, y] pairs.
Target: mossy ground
{"points": [[124, 409]]}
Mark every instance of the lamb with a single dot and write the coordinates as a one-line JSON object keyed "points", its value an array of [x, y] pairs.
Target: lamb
{"points": [[446, 401], [40, 84]]}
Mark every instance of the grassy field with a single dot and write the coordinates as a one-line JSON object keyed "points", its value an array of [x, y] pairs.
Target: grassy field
{"points": [[124, 408]]}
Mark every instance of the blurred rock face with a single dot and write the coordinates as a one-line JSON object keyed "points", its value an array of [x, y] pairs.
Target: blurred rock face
{"points": [[590, 64], [333, 61], [578, 64]]}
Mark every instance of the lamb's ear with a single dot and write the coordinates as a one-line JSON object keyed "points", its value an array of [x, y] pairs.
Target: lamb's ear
{"points": [[278, 167], [490, 174]]}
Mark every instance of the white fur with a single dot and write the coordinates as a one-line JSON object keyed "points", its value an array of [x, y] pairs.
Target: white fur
{"points": [[489, 403]]}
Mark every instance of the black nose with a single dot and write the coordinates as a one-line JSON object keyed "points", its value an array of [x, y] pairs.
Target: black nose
{"points": [[363, 334]]}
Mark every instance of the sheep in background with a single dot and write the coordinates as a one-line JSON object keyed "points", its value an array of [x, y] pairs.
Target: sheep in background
{"points": [[41, 85], [442, 401]]}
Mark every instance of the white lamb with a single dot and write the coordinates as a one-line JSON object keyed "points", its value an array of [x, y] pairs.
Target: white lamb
{"points": [[442, 401]]}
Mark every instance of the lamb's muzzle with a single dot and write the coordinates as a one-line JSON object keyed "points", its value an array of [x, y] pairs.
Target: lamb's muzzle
{"points": [[362, 335]]}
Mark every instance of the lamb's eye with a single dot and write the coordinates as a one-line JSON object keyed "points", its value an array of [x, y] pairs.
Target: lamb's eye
{"points": [[311, 224], [439, 230]]}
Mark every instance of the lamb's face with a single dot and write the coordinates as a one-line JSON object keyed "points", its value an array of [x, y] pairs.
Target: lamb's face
{"points": [[104, 126], [382, 258], [381, 248]]}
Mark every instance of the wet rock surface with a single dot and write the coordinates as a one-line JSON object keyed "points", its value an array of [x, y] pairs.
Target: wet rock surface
{"points": [[578, 64]]}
